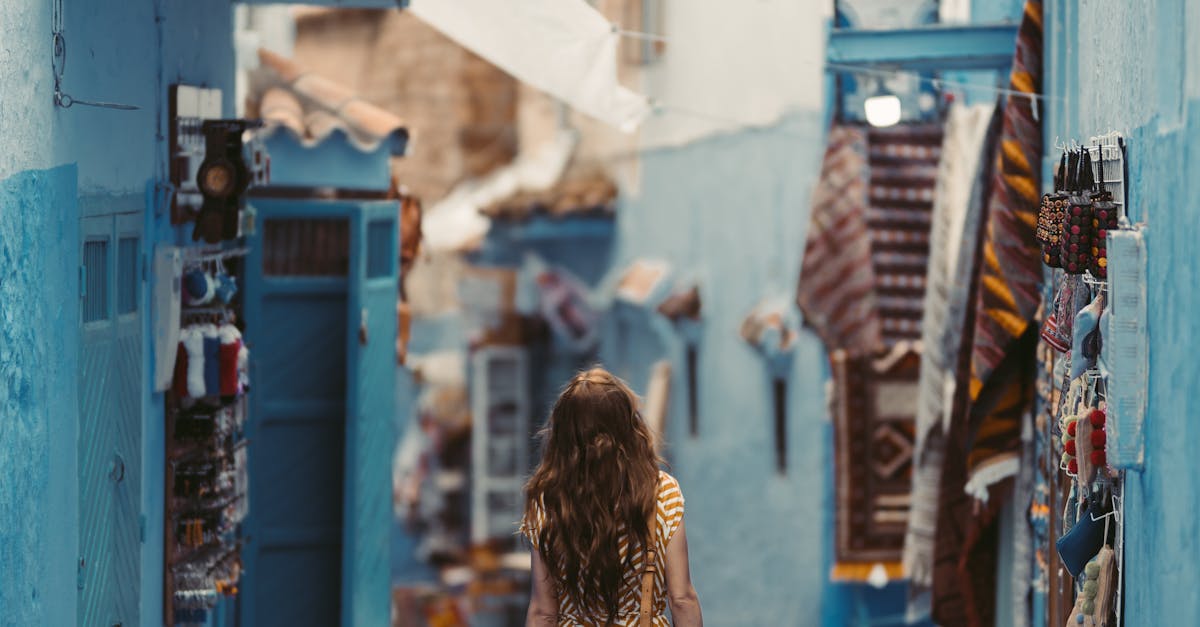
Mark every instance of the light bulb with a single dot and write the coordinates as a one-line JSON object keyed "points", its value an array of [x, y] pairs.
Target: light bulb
{"points": [[882, 110]]}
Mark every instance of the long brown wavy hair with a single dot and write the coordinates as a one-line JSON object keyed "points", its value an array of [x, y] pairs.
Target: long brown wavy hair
{"points": [[597, 482]]}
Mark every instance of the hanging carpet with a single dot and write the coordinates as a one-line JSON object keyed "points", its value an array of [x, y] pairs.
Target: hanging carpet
{"points": [[837, 282], [963, 178], [983, 441], [862, 290]]}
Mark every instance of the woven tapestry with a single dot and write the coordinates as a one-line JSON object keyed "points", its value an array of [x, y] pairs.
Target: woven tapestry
{"points": [[837, 282], [904, 166], [874, 414]]}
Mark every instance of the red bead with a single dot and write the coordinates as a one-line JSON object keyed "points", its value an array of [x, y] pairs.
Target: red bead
{"points": [[1099, 458], [1076, 210], [1073, 467], [1071, 427], [1098, 439], [1097, 418], [1075, 229], [1103, 214], [1074, 248], [1102, 233], [1069, 447]]}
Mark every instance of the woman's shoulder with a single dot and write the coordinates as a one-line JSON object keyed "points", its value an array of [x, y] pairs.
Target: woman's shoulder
{"points": [[670, 505], [669, 491]]}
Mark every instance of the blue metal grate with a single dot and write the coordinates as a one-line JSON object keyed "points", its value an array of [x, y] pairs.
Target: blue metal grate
{"points": [[95, 269], [127, 275], [380, 248]]}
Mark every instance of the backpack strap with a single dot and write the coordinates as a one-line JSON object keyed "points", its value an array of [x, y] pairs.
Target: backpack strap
{"points": [[649, 567]]}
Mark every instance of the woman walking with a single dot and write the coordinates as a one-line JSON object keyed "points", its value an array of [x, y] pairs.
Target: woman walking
{"points": [[605, 524]]}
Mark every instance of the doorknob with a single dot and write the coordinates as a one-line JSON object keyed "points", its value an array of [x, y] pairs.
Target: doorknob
{"points": [[116, 470]]}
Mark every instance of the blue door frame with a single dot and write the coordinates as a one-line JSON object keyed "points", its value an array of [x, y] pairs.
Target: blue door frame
{"points": [[322, 361], [371, 408]]}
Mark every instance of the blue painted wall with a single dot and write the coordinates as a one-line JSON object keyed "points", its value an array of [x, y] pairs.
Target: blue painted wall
{"points": [[39, 336], [122, 52], [1134, 68], [733, 209]]}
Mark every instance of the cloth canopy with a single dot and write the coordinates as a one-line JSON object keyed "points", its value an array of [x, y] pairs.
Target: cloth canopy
{"points": [[563, 47]]}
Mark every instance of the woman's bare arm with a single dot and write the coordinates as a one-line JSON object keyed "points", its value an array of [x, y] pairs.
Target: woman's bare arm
{"points": [[685, 604], [543, 605]]}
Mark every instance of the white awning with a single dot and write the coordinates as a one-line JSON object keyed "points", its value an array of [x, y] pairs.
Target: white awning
{"points": [[562, 47]]}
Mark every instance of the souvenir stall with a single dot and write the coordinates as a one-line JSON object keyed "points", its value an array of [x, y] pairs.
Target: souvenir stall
{"points": [[207, 480], [918, 277], [1028, 404], [201, 357], [1091, 382]]}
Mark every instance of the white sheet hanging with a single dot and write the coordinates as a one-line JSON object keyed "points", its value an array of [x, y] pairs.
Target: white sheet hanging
{"points": [[563, 47]]}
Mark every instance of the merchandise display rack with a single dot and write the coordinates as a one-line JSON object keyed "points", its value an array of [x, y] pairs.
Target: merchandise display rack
{"points": [[206, 487]]}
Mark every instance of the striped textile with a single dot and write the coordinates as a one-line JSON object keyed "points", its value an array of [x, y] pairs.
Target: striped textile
{"points": [[993, 383], [837, 282], [670, 516], [904, 166], [956, 214], [1009, 292]]}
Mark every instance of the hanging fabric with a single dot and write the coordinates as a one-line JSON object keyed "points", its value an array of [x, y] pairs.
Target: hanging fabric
{"points": [[563, 47], [1009, 291], [837, 280], [993, 394], [962, 178]]}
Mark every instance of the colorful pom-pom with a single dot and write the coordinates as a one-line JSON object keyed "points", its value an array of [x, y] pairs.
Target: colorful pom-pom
{"points": [[1097, 418], [1088, 606], [1098, 458], [1098, 439], [1069, 447], [1073, 467], [1090, 588], [1071, 427], [1092, 569]]}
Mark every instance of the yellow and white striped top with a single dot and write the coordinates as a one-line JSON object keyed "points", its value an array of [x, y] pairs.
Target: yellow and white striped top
{"points": [[670, 515]]}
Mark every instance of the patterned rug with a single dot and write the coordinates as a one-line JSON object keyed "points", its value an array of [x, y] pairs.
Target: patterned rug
{"points": [[875, 404], [837, 280]]}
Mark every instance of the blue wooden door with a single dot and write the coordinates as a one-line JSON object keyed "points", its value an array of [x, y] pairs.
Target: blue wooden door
{"points": [[370, 404], [110, 420], [315, 496]]}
